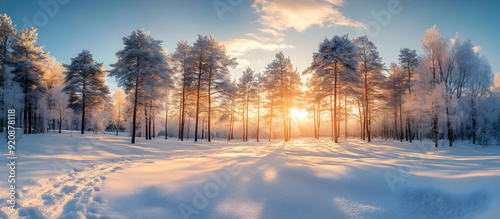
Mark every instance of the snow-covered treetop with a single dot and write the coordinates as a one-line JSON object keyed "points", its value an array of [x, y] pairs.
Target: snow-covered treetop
{"points": [[142, 57]]}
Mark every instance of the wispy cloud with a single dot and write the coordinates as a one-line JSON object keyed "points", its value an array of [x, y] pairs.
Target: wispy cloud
{"points": [[238, 47], [302, 14]]}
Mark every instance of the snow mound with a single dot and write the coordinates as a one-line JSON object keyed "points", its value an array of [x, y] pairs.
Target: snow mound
{"points": [[435, 203]]}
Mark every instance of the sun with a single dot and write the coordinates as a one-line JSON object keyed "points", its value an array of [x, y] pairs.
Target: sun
{"points": [[299, 114]]}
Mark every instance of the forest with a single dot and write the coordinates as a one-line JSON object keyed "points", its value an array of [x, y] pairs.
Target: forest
{"points": [[446, 94]]}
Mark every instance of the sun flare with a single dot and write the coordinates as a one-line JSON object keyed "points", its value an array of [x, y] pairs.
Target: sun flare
{"points": [[299, 114]]}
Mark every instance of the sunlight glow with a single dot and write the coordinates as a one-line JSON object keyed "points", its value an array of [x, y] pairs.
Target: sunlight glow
{"points": [[299, 114]]}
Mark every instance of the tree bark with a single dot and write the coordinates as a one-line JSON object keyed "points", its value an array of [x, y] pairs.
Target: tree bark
{"points": [[166, 118], [209, 131], [331, 117], [146, 121], [197, 103], [134, 119], [401, 121], [335, 103]]}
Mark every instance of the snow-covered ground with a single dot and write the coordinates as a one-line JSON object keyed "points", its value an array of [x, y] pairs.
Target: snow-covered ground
{"points": [[70, 175]]}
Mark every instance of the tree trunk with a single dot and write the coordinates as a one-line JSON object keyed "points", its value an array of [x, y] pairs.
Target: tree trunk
{"points": [[435, 129], [474, 121], [154, 127], [283, 108], [345, 118], [149, 119], [243, 123], [134, 119], [146, 121], [180, 119], [197, 104], [246, 125], [258, 114], [360, 121], [189, 126], [60, 118], [401, 121], [395, 123], [319, 120], [202, 127], [166, 118], [209, 131], [367, 109], [183, 118], [448, 126], [271, 121], [331, 117], [118, 126], [314, 122]]}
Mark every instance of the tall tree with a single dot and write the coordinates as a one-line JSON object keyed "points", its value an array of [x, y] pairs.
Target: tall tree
{"points": [[335, 61], [258, 86], [440, 66], [280, 76], [27, 58], [139, 64], [483, 79], [246, 95], [182, 66], [395, 87], [199, 55], [85, 79], [370, 67], [408, 60], [218, 64], [7, 36]]}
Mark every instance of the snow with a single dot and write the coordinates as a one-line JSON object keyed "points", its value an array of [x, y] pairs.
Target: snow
{"points": [[70, 175]]}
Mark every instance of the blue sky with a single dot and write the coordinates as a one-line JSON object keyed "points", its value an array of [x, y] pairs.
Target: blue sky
{"points": [[254, 30]]}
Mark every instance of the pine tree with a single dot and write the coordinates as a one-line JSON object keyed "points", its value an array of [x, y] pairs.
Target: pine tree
{"points": [[395, 87], [85, 84], [370, 66], [409, 61], [335, 61], [281, 84], [199, 55], [218, 65], [27, 58], [7, 37], [140, 63], [258, 86], [246, 94], [181, 59]]}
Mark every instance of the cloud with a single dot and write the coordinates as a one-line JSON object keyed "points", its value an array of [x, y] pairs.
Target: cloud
{"points": [[277, 16], [243, 62], [238, 47], [476, 48], [302, 14]]}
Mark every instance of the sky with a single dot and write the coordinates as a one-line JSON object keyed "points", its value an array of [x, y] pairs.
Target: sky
{"points": [[254, 30]]}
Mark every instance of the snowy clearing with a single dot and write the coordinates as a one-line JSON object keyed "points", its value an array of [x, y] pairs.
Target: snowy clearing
{"points": [[106, 177]]}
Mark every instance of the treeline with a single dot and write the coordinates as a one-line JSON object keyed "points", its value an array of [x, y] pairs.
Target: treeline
{"points": [[445, 93], [45, 93]]}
